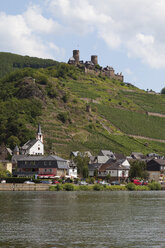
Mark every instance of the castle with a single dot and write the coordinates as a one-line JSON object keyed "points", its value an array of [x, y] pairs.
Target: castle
{"points": [[92, 66]]}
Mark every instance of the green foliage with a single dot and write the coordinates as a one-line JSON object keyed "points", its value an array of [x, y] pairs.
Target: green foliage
{"points": [[131, 186], [163, 91], [3, 171], [84, 187], [68, 187], [154, 186], [64, 117], [138, 169], [82, 165], [10, 62], [97, 187], [51, 91]]}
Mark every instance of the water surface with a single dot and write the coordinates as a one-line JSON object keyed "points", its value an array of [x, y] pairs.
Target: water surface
{"points": [[82, 219]]}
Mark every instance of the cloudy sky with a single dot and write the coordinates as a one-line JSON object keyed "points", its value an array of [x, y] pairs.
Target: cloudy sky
{"points": [[126, 34]]}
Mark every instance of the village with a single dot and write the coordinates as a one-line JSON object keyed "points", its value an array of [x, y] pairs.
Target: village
{"points": [[29, 161]]}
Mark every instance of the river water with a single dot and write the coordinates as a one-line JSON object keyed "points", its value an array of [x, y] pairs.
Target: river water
{"points": [[82, 219]]}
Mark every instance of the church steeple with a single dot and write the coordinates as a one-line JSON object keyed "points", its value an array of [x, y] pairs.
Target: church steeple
{"points": [[39, 133]]}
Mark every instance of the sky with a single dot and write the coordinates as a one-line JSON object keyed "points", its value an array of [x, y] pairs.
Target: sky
{"points": [[128, 35]]}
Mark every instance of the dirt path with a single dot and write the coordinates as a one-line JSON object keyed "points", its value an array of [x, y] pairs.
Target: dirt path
{"points": [[155, 114], [146, 138]]}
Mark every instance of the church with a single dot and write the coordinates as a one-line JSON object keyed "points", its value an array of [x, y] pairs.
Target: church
{"points": [[32, 147]]}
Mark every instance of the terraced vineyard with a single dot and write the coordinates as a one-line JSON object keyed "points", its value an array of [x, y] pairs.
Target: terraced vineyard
{"points": [[78, 111]]}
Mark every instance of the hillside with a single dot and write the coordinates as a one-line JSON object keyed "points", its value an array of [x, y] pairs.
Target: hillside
{"points": [[79, 111], [10, 62]]}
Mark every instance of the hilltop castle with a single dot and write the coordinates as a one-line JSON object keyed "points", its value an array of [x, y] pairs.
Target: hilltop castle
{"points": [[92, 66]]}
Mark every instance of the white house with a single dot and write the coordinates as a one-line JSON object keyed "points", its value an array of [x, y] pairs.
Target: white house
{"points": [[34, 147], [72, 170], [118, 170]]}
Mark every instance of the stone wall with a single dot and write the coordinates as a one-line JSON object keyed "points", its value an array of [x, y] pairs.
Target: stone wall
{"points": [[23, 187]]}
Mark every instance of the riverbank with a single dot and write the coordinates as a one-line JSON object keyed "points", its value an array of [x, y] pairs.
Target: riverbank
{"points": [[74, 187]]}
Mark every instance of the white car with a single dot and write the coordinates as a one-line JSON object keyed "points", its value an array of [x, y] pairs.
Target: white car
{"points": [[29, 182], [83, 183]]}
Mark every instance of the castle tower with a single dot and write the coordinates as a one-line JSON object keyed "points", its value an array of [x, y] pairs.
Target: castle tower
{"points": [[39, 134], [94, 59], [76, 56]]}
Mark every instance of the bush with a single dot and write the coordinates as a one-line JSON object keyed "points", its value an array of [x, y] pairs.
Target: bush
{"points": [[68, 187], [59, 187], [154, 186], [131, 186], [83, 187], [97, 187]]}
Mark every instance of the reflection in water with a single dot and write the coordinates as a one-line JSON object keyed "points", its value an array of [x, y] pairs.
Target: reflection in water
{"points": [[82, 219]]}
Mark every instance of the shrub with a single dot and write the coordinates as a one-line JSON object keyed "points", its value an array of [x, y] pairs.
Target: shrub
{"points": [[97, 187], [131, 186], [59, 187], [83, 187], [68, 187], [154, 186]]}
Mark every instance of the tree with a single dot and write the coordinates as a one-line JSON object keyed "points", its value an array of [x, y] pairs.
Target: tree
{"points": [[82, 165], [3, 171], [138, 169], [163, 91]]}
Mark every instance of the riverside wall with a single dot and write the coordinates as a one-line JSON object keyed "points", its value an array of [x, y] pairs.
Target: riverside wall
{"points": [[23, 187]]}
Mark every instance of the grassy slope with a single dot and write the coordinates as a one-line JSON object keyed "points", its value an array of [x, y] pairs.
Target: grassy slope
{"points": [[116, 110]]}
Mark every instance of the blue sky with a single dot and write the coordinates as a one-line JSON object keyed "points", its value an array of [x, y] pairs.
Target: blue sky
{"points": [[128, 35]]}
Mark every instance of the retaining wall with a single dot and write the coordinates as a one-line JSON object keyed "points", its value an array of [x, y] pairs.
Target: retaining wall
{"points": [[23, 187]]}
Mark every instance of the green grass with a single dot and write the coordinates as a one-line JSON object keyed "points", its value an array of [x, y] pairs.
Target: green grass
{"points": [[148, 102]]}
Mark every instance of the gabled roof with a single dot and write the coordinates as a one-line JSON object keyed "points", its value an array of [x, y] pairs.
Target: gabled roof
{"points": [[93, 167], [119, 156], [29, 144], [113, 165], [106, 153]]}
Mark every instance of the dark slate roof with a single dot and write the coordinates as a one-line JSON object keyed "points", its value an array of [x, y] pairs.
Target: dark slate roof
{"points": [[93, 167], [117, 166], [113, 165], [34, 161], [40, 158], [29, 144], [120, 156]]}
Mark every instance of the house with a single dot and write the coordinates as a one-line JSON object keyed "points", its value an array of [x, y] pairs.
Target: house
{"points": [[5, 153], [43, 166], [93, 169], [156, 169], [118, 170], [107, 153], [35, 146], [137, 155], [72, 169]]}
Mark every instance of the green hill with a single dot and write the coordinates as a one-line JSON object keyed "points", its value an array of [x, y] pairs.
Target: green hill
{"points": [[77, 111]]}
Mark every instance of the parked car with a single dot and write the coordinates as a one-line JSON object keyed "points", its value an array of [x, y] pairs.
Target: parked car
{"points": [[144, 183], [115, 183], [55, 182], [137, 182], [29, 182], [103, 183], [46, 182], [83, 183], [3, 181]]}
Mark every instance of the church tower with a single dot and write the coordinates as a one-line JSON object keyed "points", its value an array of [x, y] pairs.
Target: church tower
{"points": [[39, 134]]}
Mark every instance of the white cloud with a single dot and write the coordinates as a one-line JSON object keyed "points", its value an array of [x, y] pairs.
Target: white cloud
{"points": [[135, 25], [23, 34]]}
